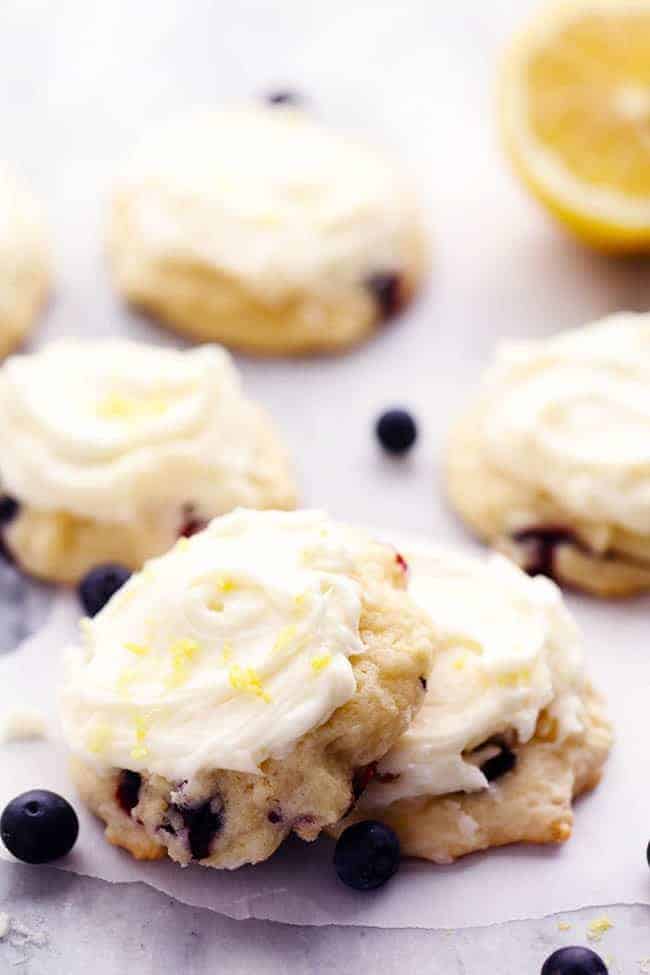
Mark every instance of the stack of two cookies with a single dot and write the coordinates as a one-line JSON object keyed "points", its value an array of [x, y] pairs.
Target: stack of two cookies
{"points": [[275, 671]]}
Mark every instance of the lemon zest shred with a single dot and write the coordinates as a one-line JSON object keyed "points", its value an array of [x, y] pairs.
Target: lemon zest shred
{"points": [[321, 662], [139, 649], [248, 680], [598, 927], [183, 653], [120, 406], [226, 652], [98, 739], [284, 638]]}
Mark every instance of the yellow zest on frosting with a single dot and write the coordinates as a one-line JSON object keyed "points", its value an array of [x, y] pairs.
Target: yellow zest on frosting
{"points": [[321, 662], [137, 648], [516, 677], [226, 583], [226, 653], [460, 662], [98, 739], [247, 679], [183, 652], [140, 750], [125, 680], [285, 637], [120, 406]]}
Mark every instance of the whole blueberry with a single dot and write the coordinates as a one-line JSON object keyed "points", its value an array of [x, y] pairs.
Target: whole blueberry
{"points": [[574, 961], [98, 585], [39, 826], [396, 431], [502, 763], [283, 97], [367, 855]]}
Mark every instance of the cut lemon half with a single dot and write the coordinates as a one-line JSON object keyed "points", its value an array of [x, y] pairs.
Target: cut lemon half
{"points": [[575, 113]]}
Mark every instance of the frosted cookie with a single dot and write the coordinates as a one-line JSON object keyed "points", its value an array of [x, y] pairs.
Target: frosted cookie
{"points": [[24, 262], [510, 731], [260, 228], [551, 463], [109, 450], [237, 689]]}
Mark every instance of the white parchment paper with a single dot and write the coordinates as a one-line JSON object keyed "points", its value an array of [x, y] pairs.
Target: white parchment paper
{"points": [[602, 863]]}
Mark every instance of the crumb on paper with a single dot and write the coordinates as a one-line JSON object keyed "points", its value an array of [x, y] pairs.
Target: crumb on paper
{"points": [[25, 724], [563, 926], [5, 924], [598, 927], [21, 936]]}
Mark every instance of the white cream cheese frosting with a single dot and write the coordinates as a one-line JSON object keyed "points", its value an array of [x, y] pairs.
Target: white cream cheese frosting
{"points": [[111, 429], [570, 416], [222, 653], [268, 196], [510, 650]]}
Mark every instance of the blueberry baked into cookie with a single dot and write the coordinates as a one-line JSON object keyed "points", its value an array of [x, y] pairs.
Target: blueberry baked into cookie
{"points": [[258, 227], [551, 463], [24, 262], [111, 449], [510, 730], [237, 689]]}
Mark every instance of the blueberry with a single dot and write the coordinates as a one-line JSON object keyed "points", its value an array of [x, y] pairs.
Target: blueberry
{"points": [[127, 792], [283, 97], [9, 508], [397, 431], [574, 961], [98, 585], [39, 826], [647, 854], [500, 764], [386, 289], [367, 855]]}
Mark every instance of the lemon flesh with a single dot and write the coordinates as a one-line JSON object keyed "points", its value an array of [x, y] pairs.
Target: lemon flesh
{"points": [[576, 118]]}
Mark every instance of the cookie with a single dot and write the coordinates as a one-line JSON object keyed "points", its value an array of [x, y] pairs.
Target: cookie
{"points": [[551, 463], [237, 689], [511, 730], [260, 228], [111, 449], [24, 262]]}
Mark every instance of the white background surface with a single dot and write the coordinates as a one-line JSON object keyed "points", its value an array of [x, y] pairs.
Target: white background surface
{"points": [[77, 82]]}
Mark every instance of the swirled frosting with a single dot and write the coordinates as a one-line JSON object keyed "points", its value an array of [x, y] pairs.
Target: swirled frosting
{"points": [[571, 416], [268, 196], [510, 651], [222, 652], [110, 429]]}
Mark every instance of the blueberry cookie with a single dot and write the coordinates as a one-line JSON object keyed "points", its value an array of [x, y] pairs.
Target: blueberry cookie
{"points": [[24, 262], [109, 450], [237, 689], [260, 228], [551, 464], [510, 731]]}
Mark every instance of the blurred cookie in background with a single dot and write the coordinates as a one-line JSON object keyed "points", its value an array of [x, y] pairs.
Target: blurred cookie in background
{"points": [[551, 462], [24, 262], [262, 229], [110, 450]]}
